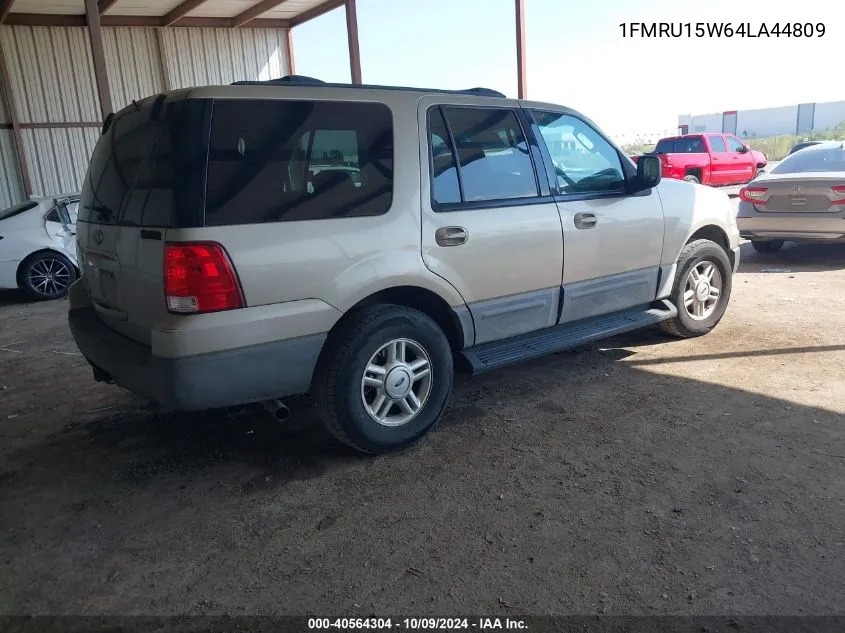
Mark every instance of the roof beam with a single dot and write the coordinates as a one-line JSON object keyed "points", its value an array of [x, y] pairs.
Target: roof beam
{"points": [[5, 8], [253, 12], [181, 11], [46, 19], [105, 5], [316, 12]]}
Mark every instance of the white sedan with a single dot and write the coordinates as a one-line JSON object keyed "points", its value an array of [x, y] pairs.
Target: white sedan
{"points": [[37, 246]]}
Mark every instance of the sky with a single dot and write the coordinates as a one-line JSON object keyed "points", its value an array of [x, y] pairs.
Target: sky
{"points": [[577, 56]]}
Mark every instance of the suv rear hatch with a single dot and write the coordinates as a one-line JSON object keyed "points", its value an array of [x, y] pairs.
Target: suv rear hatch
{"points": [[146, 175]]}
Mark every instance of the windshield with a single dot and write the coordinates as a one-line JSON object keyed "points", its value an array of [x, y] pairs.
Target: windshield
{"points": [[813, 159], [146, 169]]}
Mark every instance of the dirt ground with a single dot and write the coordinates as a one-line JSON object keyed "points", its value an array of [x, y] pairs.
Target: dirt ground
{"points": [[638, 476]]}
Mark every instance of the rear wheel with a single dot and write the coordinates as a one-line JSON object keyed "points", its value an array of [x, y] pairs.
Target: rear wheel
{"points": [[384, 379], [701, 290], [691, 178], [767, 246], [46, 276]]}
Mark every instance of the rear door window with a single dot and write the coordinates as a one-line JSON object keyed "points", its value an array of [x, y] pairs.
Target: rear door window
{"points": [[492, 153], [717, 144], [286, 160]]}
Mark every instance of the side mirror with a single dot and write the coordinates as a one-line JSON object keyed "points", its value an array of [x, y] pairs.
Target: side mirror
{"points": [[743, 150], [648, 173]]}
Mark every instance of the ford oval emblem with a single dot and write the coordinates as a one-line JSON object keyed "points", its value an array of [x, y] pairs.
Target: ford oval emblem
{"points": [[98, 237]]}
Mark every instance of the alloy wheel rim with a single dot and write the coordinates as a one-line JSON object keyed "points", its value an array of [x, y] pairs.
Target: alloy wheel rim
{"points": [[702, 290], [397, 382], [50, 277]]}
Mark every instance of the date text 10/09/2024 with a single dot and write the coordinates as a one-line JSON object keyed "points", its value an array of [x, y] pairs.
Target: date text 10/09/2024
{"points": [[721, 29], [418, 624]]}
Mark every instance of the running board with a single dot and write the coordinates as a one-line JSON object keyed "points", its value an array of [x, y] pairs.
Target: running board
{"points": [[562, 337]]}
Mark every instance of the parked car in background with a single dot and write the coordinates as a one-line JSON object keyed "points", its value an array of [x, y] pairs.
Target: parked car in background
{"points": [[799, 146], [802, 198], [254, 273], [709, 159], [37, 246]]}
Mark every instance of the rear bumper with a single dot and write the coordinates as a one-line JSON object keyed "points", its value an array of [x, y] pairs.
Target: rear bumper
{"points": [[792, 228], [220, 379]]}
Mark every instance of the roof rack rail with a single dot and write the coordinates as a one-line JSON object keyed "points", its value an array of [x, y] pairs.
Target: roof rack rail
{"points": [[282, 81], [302, 80]]}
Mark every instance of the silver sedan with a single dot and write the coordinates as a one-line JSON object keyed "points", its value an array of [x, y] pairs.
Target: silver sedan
{"points": [[803, 198]]}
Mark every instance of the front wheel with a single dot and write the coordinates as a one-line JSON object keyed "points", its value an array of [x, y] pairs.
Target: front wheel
{"points": [[701, 290], [767, 246], [384, 379]]}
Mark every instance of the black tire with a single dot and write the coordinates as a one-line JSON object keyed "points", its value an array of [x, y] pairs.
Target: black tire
{"points": [[693, 254], [337, 385], [691, 178], [46, 275], [767, 246]]}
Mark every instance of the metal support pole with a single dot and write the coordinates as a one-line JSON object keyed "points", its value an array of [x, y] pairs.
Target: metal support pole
{"points": [[352, 37], [92, 18], [522, 80]]}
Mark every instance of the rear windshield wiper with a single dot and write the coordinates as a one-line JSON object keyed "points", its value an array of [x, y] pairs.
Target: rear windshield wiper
{"points": [[104, 212]]}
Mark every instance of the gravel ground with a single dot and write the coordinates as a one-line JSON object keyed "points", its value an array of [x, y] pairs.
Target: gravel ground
{"points": [[637, 476]]}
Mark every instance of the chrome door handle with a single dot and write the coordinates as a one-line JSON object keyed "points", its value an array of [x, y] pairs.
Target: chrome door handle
{"points": [[451, 236], [585, 220]]}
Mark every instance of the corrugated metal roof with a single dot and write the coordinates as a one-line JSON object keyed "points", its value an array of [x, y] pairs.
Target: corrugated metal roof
{"points": [[57, 7], [211, 8], [143, 7], [221, 8], [291, 8]]}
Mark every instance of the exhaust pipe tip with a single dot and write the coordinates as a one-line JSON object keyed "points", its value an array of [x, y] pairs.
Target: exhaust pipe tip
{"points": [[277, 409]]}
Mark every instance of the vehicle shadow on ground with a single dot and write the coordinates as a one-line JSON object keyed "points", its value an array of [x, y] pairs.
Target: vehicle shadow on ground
{"points": [[592, 438], [793, 258], [12, 297], [139, 444]]}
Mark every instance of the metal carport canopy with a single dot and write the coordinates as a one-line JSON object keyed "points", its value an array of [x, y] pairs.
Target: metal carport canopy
{"points": [[285, 14], [156, 17]]}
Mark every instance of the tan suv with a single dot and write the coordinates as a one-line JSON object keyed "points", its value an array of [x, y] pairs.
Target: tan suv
{"points": [[243, 243]]}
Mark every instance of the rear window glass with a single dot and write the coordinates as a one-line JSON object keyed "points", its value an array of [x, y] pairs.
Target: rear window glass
{"points": [[278, 161], [690, 145], [813, 159], [147, 169]]}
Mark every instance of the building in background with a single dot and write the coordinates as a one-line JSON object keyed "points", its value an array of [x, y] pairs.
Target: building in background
{"points": [[799, 120]]}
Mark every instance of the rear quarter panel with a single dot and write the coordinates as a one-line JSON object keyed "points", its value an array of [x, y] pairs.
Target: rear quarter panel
{"points": [[687, 208], [680, 163]]}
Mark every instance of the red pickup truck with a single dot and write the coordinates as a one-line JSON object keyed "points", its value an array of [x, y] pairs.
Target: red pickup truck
{"points": [[709, 159]]}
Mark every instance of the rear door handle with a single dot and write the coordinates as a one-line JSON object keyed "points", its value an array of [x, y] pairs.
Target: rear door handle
{"points": [[451, 236], [585, 220]]}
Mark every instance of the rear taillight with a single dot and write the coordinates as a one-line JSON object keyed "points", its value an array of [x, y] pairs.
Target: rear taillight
{"points": [[198, 277], [754, 195], [839, 194]]}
